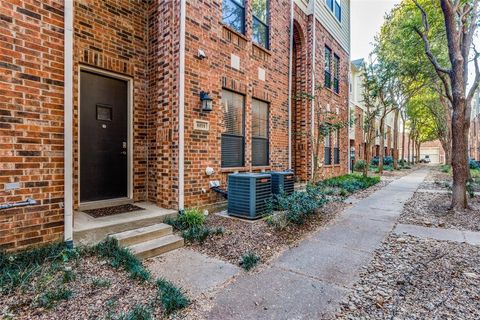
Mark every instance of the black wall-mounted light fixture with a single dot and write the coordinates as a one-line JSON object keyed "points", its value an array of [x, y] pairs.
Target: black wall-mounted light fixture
{"points": [[207, 101]]}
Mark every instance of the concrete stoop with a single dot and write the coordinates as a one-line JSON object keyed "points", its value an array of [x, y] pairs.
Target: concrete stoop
{"points": [[150, 241]]}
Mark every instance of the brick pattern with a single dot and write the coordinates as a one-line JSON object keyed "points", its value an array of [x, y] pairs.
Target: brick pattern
{"points": [[140, 39], [31, 120], [112, 35]]}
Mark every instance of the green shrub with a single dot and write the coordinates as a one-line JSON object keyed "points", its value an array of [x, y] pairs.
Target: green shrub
{"points": [[350, 182], [474, 164], [119, 257], [190, 218], [18, 269], [139, 312], [359, 165], [171, 297], [101, 283], [49, 298], [249, 260], [299, 205], [445, 168], [200, 233], [278, 220], [68, 276]]}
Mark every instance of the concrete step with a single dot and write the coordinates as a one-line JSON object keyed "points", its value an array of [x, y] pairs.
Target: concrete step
{"points": [[136, 236], [156, 247]]}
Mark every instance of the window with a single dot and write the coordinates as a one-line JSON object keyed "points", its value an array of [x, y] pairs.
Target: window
{"points": [[336, 73], [233, 14], [261, 30], [329, 4], [233, 142], [260, 142], [328, 150], [336, 147], [338, 10], [328, 67]]}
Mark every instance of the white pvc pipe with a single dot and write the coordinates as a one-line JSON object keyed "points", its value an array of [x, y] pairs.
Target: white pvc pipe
{"points": [[290, 74], [181, 110], [312, 106], [68, 122]]}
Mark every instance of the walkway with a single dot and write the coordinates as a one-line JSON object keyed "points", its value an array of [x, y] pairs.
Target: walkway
{"points": [[309, 281], [442, 234]]}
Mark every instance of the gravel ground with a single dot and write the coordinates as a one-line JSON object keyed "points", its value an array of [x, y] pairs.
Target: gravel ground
{"points": [[432, 210], [241, 236], [98, 292], [412, 278]]}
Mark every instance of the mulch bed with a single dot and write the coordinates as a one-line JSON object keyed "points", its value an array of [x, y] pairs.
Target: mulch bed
{"points": [[413, 278], [117, 294], [432, 210], [110, 211], [243, 236]]}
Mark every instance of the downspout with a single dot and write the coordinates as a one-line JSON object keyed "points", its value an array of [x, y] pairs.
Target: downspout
{"points": [[68, 120], [290, 85], [181, 111], [312, 106]]}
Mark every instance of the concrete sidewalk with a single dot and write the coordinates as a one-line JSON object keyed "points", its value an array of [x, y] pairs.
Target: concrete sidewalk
{"points": [[442, 234], [309, 281]]}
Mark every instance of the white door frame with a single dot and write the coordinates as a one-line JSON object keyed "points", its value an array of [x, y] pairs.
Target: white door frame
{"points": [[129, 81]]}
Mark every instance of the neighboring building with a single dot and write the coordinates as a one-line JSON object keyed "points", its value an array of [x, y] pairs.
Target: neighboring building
{"points": [[474, 133], [120, 116], [358, 113]]}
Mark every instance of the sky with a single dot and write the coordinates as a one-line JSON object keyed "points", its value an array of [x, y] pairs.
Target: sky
{"points": [[366, 20], [367, 16]]}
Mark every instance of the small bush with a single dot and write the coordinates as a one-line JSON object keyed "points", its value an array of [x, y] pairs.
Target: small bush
{"points": [[278, 220], [18, 269], [191, 218], [359, 165], [101, 283], [445, 168], [49, 298], [388, 160], [299, 205], [200, 233], [350, 182], [249, 260], [119, 257], [139, 312], [474, 164], [68, 276], [171, 297]]}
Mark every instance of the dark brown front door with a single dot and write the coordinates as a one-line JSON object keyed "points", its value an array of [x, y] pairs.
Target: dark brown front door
{"points": [[103, 137]]}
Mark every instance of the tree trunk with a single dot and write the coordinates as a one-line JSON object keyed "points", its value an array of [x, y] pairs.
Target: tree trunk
{"points": [[395, 140], [403, 140], [381, 155], [459, 156], [408, 149]]}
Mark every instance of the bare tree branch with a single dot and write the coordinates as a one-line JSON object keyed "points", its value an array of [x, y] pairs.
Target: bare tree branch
{"points": [[476, 81]]}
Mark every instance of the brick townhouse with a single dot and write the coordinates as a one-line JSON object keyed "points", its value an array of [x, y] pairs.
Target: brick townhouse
{"points": [[114, 101], [357, 135]]}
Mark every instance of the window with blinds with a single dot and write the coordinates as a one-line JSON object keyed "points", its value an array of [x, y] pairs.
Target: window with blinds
{"points": [[336, 147], [328, 68], [260, 141], [233, 139], [328, 150]]}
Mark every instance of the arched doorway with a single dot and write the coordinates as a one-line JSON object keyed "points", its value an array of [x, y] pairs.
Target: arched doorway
{"points": [[299, 106]]}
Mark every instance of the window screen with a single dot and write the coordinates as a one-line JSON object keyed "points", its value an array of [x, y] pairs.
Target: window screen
{"points": [[233, 142], [260, 141], [336, 147]]}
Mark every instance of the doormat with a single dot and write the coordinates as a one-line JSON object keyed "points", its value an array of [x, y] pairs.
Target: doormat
{"points": [[110, 211]]}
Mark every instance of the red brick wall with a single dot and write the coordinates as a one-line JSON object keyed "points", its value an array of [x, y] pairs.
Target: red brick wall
{"points": [[335, 103], [112, 35], [163, 103], [31, 120]]}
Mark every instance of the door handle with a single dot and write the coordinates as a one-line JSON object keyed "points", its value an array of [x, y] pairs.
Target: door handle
{"points": [[124, 152]]}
